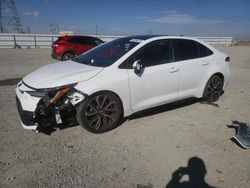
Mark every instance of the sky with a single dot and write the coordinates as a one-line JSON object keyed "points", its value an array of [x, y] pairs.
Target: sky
{"points": [[130, 17]]}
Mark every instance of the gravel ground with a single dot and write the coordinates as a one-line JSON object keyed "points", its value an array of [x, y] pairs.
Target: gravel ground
{"points": [[143, 152]]}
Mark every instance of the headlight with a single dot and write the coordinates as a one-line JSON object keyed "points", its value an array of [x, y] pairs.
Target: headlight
{"points": [[53, 94], [59, 94], [38, 93]]}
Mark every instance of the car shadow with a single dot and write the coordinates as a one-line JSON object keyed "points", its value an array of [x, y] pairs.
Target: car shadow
{"points": [[169, 107], [137, 115], [195, 170], [163, 108], [9, 82], [50, 129]]}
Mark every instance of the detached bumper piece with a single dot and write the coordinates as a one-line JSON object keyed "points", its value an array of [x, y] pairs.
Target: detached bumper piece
{"points": [[242, 135]]}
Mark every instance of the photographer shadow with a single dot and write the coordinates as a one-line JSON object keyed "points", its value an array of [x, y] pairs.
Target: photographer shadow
{"points": [[196, 170]]}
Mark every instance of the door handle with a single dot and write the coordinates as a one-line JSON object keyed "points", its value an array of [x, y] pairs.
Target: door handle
{"points": [[204, 63], [173, 69]]}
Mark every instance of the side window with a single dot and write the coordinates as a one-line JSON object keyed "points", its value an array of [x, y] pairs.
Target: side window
{"points": [[94, 42], [155, 53], [74, 40], [90, 41], [77, 40], [97, 42], [83, 40], [185, 49], [204, 51]]}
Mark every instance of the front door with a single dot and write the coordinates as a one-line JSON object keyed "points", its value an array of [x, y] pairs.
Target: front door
{"points": [[157, 81]]}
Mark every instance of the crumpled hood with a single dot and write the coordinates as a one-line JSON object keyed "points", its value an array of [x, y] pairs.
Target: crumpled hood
{"points": [[58, 74]]}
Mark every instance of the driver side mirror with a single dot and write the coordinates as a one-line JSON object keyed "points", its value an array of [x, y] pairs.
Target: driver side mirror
{"points": [[137, 66]]}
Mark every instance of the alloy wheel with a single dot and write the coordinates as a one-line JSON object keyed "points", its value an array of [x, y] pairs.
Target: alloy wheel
{"points": [[101, 112], [214, 89]]}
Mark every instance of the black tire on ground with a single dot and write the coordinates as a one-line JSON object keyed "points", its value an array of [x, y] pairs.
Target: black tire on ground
{"points": [[68, 56], [213, 89], [100, 112]]}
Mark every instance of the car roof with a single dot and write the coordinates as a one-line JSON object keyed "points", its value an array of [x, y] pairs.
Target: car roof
{"points": [[143, 37], [72, 36], [158, 37], [155, 37], [149, 38]]}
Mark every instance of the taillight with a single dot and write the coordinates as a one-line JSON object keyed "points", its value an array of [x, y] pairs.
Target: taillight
{"points": [[55, 45], [227, 59]]}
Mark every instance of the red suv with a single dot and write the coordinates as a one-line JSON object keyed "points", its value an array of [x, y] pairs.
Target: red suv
{"points": [[67, 47]]}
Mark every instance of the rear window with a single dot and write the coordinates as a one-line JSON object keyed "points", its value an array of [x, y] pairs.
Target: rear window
{"points": [[94, 41], [85, 40], [185, 49], [203, 50]]}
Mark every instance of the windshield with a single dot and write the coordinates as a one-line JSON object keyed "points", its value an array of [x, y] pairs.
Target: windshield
{"points": [[108, 53]]}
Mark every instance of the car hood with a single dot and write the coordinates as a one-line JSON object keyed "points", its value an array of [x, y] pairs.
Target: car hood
{"points": [[58, 74]]}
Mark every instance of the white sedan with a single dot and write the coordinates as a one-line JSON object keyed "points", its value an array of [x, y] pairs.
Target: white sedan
{"points": [[119, 78]]}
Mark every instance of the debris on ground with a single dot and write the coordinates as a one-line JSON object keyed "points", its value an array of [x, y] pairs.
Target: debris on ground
{"points": [[242, 135]]}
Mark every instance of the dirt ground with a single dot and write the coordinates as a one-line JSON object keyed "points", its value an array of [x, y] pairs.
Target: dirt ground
{"points": [[143, 152]]}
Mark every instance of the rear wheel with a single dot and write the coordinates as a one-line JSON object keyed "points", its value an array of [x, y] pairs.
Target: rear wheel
{"points": [[213, 89], [100, 112], [68, 56]]}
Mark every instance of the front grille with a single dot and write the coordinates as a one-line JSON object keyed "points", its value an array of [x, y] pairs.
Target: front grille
{"points": [[26, 116]]}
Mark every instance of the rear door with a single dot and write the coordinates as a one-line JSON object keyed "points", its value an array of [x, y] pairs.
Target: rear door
{"points": [[193, 67]]}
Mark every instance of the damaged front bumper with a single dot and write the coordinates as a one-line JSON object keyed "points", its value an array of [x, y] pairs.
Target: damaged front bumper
{"points": [[39, 109]]}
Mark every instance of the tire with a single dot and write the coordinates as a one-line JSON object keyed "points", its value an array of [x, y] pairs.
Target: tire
{"points": [[68, 56], [100, 112], [213, 89]]}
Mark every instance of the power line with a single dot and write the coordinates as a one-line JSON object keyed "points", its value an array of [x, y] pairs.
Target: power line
{"points": [[164, 5], [201, 10]]}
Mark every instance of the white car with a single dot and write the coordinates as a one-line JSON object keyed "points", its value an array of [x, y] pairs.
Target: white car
{"points": [[119, 78]]}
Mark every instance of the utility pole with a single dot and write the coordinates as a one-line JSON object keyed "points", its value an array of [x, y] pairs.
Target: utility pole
{"points": [[57, 26], [28, 29], [9, 18], [96, 29], [1, 19], [54, 28]]}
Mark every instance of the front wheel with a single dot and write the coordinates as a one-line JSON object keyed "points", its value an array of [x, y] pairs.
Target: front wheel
{"points": [[213, 89], [100, 112]]}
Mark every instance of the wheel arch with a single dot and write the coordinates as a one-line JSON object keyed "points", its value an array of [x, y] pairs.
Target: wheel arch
{"points": [[217, 74], [68, 51], [220, 75], [204, 83]]}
